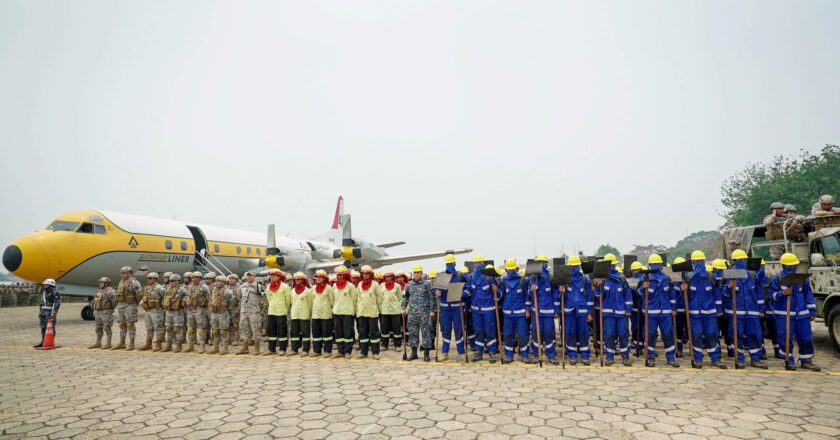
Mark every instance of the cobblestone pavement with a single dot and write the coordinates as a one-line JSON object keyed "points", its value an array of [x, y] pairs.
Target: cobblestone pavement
{"points": [[75, 392]]}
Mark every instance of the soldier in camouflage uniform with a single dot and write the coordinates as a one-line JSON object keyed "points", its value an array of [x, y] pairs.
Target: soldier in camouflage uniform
{"points": [[219, 318], [196, 302], [186, 282], [173, 304], [233, 309], [777, 215], [150, 301], [103, 312], [251, 302], [209, 281], [127, 295], [421, 304]]}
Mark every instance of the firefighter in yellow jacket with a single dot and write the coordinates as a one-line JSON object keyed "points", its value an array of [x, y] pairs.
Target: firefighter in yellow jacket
{"points": [[367, 312], [301, 314], [391, 318], [279, 302], [323, 299], [344, 309]]}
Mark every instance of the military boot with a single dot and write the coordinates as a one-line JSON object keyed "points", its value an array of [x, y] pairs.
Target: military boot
{"points": [[426, 357], [257, 347], [168, 347], [189, 348], [121, 345], [107, 341], [177, 348], [130, 344], [158, 341], [413, 355], [215, 349], [202, 347], [224, 349], [98, 343], [148, 345], [156, 346], [244, 349]]}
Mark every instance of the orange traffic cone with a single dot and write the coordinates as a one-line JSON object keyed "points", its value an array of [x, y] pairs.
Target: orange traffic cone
{"points": [[49, 338]]}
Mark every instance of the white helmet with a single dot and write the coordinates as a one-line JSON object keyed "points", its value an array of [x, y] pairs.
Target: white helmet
{"points": [[48, 282]]}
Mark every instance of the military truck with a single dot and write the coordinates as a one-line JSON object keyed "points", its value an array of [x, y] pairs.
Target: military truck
{"points": [[815, 241]]}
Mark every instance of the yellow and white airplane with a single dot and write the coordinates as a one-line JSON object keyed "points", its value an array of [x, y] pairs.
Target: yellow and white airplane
{"points": [[78, 248]]}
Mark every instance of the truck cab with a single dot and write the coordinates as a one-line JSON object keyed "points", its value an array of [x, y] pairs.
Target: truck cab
{"points": [[818, 250]]}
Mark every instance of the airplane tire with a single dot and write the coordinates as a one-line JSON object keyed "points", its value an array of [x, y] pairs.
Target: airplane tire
{"points": [[87, 313]]}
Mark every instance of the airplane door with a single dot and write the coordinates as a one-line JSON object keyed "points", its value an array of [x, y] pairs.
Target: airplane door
{"points": [[200, 245]]}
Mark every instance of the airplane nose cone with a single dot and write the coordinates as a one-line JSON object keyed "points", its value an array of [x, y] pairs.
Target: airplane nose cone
{"points": [[12, 257], [26, 259]]}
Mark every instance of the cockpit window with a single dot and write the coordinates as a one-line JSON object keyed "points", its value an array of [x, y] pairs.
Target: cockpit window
{"points": [[60, 225], [86, 228], [99, 229]]}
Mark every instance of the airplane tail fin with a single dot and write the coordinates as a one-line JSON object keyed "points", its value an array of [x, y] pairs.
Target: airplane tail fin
{"points": [[335, 233]]}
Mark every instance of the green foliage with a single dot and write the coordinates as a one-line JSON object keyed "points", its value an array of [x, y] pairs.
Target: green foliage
{"points": [[798, 180], [710, 242], [643, 251], [605, 249]]}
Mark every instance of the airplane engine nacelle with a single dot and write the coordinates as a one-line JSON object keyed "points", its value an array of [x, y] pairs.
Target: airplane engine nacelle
{"points": [[348, 253], [287, 263]]}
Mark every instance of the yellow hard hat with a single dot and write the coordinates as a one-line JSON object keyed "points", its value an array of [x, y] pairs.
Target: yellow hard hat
{"points": [[510, 264], [698, 256], [611, 258], [463, 269], [739, 254], [499, 271], [299, 276], [574, 261], [679, 260], [655, 259], [762, 261], [433, 274], [321, 273], [522, 272], [478, 258], [789, 259], [417, 268], [543, 258], [449, 259], [366, 268], [377, 275], [637, 265], [718, 264], [355, 274], [341, 268], [709, 268]]}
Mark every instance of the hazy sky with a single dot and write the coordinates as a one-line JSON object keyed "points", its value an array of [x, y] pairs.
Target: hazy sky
{"points": [[493, 125]]}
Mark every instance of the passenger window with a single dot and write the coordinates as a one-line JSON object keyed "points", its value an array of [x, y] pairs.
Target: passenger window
{"points": [[259, 251], [183, 245], [831, 247], [216, 248], [248, 251], [168, 244], [238, 250], [99, 229], [86, 228]]}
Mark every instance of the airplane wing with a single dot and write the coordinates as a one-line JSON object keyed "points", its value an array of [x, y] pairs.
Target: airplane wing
{"points": [[325, 265], [403, 258], [392, 244]]}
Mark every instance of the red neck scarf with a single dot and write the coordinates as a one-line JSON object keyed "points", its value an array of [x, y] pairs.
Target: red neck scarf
{"points": [[389, 285], [340, 283], [274, 285], [319, 288], [366, 283], [302, 287]]}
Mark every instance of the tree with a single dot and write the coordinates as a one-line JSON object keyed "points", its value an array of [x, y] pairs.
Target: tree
{"points": [[798, 180], [710, 242], [605, 249], [642, 252]]}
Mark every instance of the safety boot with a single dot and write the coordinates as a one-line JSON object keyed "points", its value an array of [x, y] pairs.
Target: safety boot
{"points": [[190, 347], [608, 362], [740, 366], [506, 360], [244, 349], [697, 365], [809, 365], [177, 348], [168, 347], [257, 347], [674, 364], [586, 362], [98, 343], [107, 345], [224, 349], [121, 345], [679, 355], [281, 352], [313, 354], [215, 349], [148, 345], [758, 364], [720, 365], [202, 347], [492, 358], [130, 346], [477, 357], [625, 360], [413, 354], [357, 356], [553, 361], [790, 366], [335, 355], [650, 363], [376, 357], [443, 357], [156, 346], [426, 357]]}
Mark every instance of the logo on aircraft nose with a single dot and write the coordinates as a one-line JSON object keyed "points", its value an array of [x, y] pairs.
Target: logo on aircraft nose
{"points": [[133, 242]]}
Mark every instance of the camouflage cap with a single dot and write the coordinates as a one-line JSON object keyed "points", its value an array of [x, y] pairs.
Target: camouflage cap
{"points": [[104, 280], [827, 199], [777, 205]]}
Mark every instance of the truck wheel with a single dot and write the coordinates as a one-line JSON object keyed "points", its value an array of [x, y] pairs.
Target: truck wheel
{"points": [[833, 321]]}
